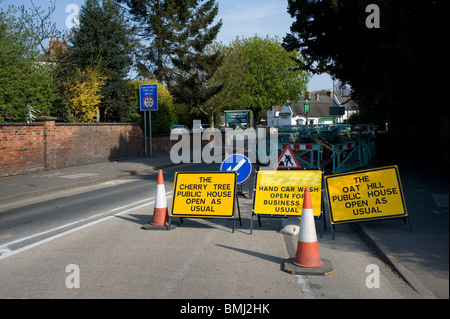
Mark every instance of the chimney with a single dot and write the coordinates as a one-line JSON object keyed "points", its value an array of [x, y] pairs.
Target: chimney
{"points": [[308, 96], [330, 93], [317, 97], [57, 46]]}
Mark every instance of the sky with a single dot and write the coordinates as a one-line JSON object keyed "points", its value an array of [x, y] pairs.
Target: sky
{"points": [[243, 18]]}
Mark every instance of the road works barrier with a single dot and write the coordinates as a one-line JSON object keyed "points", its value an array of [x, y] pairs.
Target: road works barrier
{"points": [[295, 133], [307, 259], [349, 156]]}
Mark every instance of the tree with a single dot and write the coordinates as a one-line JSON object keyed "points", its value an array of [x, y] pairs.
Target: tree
{"points": [[104, 38], [83, 94], [194, 88], [195, 64], [258, 73], [386, 67], [169, 30], [25, 83]]}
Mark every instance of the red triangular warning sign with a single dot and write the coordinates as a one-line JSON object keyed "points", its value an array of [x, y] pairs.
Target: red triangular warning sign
{"points": [[287, 159]]}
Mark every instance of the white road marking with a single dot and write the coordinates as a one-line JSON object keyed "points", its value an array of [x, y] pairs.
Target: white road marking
{"points": [[5, 252], [306, 287], [79, 175]]}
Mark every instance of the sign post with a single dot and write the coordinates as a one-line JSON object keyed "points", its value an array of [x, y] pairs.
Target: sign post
{"points": [[366, 195], [307, 109], [243, 168], [148, 102]]}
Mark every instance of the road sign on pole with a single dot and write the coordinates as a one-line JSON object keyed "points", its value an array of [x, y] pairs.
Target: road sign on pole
{"points": [[307, 106], [148, 97], [239, 163], [148, 101]]}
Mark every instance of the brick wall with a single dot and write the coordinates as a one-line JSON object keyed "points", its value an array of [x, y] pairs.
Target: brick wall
{"points": [[34, 147], [21, 148]]}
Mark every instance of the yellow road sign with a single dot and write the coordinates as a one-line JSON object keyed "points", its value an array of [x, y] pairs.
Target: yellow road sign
{"points": [[281, 192], [365, 195], [204, 194]]}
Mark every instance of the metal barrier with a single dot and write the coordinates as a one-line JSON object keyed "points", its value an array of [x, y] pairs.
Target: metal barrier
{"points": [[308, 155], [353, 155], [295, 133], [345, 156]]}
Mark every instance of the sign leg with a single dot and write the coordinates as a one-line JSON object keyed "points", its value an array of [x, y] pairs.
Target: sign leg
{"points": [[239, 210], [145, 133], [150, 128], [234, 224], [408, 223]]}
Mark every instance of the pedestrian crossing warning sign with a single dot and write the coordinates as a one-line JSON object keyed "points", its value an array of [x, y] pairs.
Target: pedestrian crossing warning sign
{"points": [[287, 159]]}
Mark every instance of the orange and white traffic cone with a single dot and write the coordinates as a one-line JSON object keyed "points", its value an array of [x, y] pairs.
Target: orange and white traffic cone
{"points": [[160, 212], [307, 258], [307, 254]]}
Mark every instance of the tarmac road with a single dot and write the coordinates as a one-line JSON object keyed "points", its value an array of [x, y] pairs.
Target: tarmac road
{"points": [[199, 259]]}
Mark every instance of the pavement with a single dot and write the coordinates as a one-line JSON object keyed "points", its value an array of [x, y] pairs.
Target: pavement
{"points": [[420, 256]]}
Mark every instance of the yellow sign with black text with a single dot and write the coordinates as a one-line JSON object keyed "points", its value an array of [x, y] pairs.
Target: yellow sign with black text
{"points": [[365, 195], [204, 194], [281, 192]]}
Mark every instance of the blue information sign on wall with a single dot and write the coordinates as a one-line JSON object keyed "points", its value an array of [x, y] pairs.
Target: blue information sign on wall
{"points": [[148, 97], [239, 163]]}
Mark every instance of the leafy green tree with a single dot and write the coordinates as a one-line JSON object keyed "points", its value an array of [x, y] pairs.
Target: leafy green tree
{"points": [[104, 38], [389, 67], [25, 83], [256, 74]]}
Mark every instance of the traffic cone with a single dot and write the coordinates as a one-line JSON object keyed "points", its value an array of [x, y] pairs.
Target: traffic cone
{"points": [[160, 212], [307, 259], [307, 254]]}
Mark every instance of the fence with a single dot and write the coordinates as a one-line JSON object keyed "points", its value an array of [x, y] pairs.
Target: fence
{"points": [[353, 155]]}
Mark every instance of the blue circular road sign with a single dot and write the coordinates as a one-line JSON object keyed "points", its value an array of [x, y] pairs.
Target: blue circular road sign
{"points": [[239, 163]]}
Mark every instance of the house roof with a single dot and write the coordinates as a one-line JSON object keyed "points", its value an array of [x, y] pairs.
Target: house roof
{"points": [[320, 107]]}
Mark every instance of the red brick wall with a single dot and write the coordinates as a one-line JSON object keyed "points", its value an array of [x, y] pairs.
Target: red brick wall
{"points": [[21, 148], [35, 147]]}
